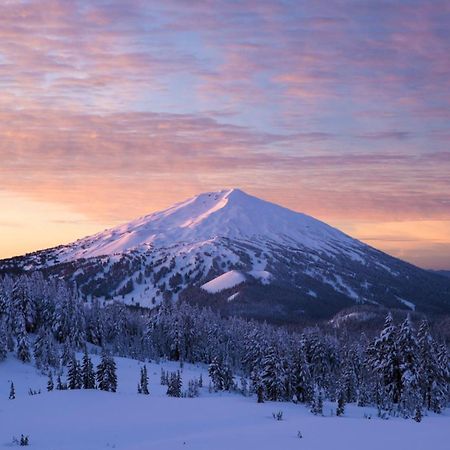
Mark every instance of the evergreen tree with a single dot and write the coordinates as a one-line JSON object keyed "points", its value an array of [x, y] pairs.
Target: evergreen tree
{"points": [[106, 373], [301, 379], [272, 375], [216, 375], [317, 403], [12, 391], [175, 384], [410, 396], [59, 384], [143, 383], [384, 360], [23, 346], [87, 372], [50, 384], [3, 340], [45, 350], [441, 385], [74, 377], [340, 404]]}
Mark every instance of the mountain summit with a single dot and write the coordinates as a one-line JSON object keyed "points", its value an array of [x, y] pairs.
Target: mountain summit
{"points": [[228, 213], [241, 254]]}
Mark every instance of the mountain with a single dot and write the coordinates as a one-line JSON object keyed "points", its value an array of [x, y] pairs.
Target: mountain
{"points": [[242, 255], [445, 273]]}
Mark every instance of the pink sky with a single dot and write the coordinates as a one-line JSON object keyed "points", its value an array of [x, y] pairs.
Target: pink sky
{"points": [[112, 109]]}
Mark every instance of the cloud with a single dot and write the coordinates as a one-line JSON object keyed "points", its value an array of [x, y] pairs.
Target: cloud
{"points": [[336, 108]]}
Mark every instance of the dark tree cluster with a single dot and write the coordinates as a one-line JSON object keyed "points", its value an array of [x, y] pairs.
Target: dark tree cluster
{"points": [[402, 371]]}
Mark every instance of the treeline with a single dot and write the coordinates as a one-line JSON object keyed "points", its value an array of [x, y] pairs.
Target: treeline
{"points": [[402, 371]]}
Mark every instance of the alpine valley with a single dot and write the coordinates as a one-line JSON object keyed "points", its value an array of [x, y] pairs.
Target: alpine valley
{"points": [[241, 255]]}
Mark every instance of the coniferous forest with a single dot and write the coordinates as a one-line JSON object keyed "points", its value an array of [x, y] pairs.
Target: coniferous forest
{"points": [[403, 370]]}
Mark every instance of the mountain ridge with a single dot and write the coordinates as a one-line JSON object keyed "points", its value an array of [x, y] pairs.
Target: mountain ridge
{"points": [[290, 264]]}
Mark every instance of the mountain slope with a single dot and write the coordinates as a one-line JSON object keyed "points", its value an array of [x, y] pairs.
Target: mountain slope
{"points": [[289, 265], [229, 213]]}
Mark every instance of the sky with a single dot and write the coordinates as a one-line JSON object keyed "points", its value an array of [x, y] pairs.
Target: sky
{"points": [[112, 109]]}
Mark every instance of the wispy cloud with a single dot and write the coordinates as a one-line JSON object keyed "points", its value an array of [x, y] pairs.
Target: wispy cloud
{"points": [[340, 109]]}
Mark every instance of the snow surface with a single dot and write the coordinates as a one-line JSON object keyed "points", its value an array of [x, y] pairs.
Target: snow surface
{"points": [[263, 276], [96, 420], [225, 281], [228, 213], [407, 303]]}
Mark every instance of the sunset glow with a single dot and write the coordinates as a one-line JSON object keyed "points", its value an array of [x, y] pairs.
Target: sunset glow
{"points": [[112, 109]]}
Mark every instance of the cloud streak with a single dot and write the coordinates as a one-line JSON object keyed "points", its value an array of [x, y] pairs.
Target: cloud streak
{"points": [[340, 109]]}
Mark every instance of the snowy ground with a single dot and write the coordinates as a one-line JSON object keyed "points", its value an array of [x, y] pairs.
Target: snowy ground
{"points": [[85, 420]]}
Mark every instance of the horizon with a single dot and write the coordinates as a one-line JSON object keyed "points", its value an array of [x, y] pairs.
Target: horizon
{"points": [[180, 202], [113, 110]]}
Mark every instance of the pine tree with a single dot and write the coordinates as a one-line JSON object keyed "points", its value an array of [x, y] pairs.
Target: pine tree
{"points": [[215, 373], [384, 360], [175, 384], [59, 384], [192, 389], [87, 372], [3, 340], [50, 384], [74, 378], [340, 404], [143, 383], [12, 391], [45, 351], [23, 346], [301, 379], [418, 414], [317, 403], [272, 375], [410, 396], [441, 385], [106, 373]]}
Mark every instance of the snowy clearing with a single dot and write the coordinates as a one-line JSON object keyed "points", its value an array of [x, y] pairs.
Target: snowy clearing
{"points": [[92, 420], [224, 281]]}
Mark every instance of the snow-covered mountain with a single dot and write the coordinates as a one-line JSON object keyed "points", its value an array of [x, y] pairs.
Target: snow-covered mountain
{"points": [[243, 255]]}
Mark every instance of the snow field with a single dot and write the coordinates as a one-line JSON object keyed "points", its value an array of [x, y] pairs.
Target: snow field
{"points": [[91, 420]]}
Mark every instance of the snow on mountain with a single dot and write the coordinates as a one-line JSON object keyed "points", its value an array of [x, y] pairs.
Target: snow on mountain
{"points": [[228, 213], [291, 264], [224, 281]]}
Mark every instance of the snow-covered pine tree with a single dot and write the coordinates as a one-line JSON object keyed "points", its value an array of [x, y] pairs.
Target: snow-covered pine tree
{"points": [[87, 372], [106, 373], [22, 307], [317, 403], [301, 378], [340, 403], [410, 396], [163, 378], [23, 345], [175, 385], [50, 384], [272, 375], [45, 350], [59, 384], [12, 391], [3, 340], [441, 386], [193, 389], [74, 378], [216, 375], [143, 383], [384, 360]]}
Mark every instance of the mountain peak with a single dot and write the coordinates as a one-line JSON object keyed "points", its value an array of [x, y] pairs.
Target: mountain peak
{"points": [[228, 213]]}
